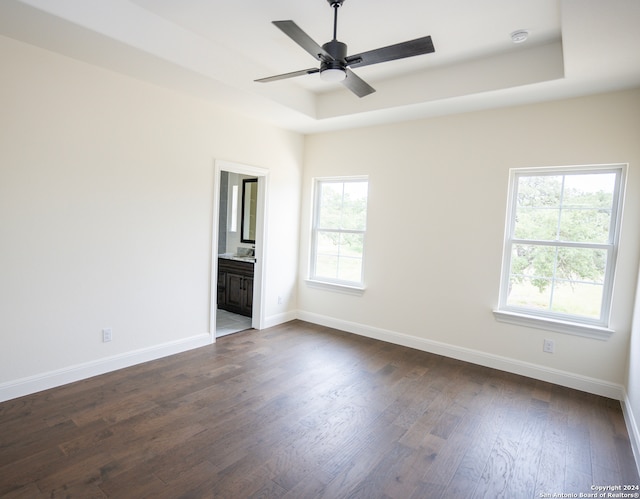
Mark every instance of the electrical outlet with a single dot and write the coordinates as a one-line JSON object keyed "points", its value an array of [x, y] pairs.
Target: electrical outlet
{"points": [[548, 346], [107, 335], [279, 300]]}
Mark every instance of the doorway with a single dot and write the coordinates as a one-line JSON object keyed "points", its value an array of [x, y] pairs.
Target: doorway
{"points": [[238, 248]]}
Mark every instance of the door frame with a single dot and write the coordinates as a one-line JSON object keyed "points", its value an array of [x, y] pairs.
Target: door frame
{"points": [[257, 316]]}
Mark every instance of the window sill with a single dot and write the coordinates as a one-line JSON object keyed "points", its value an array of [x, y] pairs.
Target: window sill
{"points": [[333, 286], [576, 329]]}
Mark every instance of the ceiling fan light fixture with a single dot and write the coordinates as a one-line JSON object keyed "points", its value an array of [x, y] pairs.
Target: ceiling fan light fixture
{"points": [[333, 74]]}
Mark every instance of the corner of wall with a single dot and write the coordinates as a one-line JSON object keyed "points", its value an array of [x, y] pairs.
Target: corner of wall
{"points": [[632, 427]]}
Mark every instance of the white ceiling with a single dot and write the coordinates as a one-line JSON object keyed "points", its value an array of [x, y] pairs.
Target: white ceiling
{"points": [[214, 49]]}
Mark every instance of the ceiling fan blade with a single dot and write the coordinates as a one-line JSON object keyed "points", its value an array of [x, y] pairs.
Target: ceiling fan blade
{"points": [[288, 75], [411, 48], [293, 31], [357, 85]]}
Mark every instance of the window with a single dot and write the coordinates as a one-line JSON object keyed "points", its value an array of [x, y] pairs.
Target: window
{"points": [[339, 224], [560, 247], [233, 226]]}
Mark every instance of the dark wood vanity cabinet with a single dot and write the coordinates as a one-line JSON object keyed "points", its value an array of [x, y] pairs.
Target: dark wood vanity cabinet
{"points": [[235, 286]]}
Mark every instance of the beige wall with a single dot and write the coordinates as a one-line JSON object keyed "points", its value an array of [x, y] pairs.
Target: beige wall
{"points": [[436, 216], [106, 201]]}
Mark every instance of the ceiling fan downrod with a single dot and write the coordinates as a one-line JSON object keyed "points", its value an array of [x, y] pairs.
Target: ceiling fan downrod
{"points": [[336, 5], [337, 50]]}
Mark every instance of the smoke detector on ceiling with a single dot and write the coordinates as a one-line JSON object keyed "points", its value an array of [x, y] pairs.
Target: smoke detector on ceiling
{"points": [[519, 36]]}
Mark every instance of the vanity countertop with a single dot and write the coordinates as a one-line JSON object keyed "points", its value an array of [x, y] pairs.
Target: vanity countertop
{"points": [[240, 258]]}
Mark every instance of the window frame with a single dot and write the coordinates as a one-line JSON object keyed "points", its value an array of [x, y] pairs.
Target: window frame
{"points": [[352, 287], [556, 321]]}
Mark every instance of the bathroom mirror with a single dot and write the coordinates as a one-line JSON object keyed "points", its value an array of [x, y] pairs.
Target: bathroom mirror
{"points": [[249, 204]]}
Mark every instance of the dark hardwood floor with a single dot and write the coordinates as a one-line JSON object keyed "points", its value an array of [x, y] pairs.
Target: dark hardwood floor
{"points": [[302, 411]]}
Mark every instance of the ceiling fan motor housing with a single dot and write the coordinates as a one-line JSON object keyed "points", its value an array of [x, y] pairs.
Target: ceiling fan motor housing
{"points": [[338, 51], [335, 49]]}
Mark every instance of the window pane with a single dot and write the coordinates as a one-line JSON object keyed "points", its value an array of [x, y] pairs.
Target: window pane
{"points": [[581, 265], [577, 299], [594, 190], [354, 208], [585, 225], [581, 299], [351, 245], [339, 256], [539, 191], [587, 203], [524, 292], [340, 244], [538, 207], [528, 260], [536, 223], [328, 243], [330, 205], [559, 279], [350, 269], [327, 266], [573, 208], [343, 205]]}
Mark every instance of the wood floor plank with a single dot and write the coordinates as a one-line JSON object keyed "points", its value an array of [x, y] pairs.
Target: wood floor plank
{"points": [[510, 420], [306, 411], [467, 475], [442, 469], [75, 475], [29, 491], [24, 472], [626, 463], [311, 488], [552, 467], [17, 444], [530, 450], [352, 468], [138, 481]]}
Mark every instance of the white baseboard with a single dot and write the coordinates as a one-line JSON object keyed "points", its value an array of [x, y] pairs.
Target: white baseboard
{"points": [[633, 429], [59, 377], [51, 379], [274, 320], [556, 376]]}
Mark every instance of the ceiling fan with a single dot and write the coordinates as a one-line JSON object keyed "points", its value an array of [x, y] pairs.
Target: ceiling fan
{"points": [[335, 64]]}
